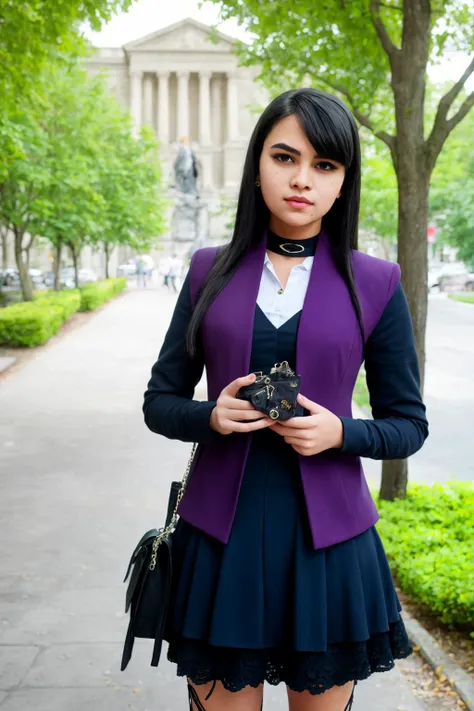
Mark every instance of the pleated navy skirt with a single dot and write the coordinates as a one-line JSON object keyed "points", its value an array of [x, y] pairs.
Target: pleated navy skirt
{"points": [[266, 606]]}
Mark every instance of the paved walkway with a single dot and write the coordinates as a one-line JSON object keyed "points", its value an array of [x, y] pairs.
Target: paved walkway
{"points": [[82, 478]]}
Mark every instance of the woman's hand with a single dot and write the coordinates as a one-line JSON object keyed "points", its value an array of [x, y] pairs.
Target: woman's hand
{"points": [[313, 434], [233, 415]]}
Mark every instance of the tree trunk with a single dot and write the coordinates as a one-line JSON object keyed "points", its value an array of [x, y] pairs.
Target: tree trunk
{"points": [[394, 479], [23, 265], [107, 257], [57, 267], [4, 232], [413, 176], [75, 261]]}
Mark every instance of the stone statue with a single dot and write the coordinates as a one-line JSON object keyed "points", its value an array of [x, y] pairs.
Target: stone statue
{"points": [[190, 222], [185, 169]]}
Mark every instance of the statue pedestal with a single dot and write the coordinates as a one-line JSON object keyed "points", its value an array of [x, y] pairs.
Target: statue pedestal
{"points": [[190, 222]]}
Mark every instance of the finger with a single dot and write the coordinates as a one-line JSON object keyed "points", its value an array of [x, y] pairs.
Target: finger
{"points": [[299, 423], [236, 415], [302, 444], [233, 387], [232, 403], [313, 407], [250, 426]]}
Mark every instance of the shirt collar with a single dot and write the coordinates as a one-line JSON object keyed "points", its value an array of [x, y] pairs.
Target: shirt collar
{"points": [[306, 265]]}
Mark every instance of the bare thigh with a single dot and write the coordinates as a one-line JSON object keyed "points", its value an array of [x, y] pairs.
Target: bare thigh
{"points": [[336, 699], [248, 699]]}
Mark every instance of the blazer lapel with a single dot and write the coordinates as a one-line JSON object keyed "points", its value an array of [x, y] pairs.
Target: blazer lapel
{"points": [[327, 328]]}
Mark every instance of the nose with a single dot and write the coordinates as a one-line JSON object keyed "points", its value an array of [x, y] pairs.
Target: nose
{"points": [[302, 179]]}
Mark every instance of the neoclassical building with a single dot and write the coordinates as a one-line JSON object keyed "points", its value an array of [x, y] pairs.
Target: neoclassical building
{"points": [[184, 80]]}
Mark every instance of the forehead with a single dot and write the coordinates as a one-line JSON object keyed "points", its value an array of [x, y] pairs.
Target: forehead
{"points": [[289, 131]]}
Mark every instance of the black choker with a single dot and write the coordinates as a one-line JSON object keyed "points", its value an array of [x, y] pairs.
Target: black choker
{"points": [[292, 247]]}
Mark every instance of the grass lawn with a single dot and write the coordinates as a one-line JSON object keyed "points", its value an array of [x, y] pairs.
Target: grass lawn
{"points": [[464, 298]]}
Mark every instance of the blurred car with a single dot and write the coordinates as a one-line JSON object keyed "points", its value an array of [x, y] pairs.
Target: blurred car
{"points": [[126, 270], [469, 285], [67, 278], [451, 276], [87, 276], [11, 277]]}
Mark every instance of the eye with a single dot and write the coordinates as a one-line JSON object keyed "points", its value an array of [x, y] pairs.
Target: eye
{"points": [[325, 166], [283, 158]]}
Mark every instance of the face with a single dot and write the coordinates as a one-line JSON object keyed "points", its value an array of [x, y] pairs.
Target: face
{"points": [[289, 167]]}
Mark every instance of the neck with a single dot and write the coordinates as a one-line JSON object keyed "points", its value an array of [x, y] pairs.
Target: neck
{"points": [[292, 232]]}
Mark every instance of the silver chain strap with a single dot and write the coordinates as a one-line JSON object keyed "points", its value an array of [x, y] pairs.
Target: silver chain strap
{"points": [[165, 532]]}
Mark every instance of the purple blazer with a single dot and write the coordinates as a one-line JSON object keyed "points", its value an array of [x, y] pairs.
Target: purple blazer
{"points": [[329, 355]]}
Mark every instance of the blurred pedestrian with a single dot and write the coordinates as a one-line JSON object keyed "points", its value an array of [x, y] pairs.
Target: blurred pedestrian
{"points": [[175, 271], [141, 272]]}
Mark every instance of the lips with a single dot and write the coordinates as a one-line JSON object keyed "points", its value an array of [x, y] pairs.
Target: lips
{"points": [[297, 199]]}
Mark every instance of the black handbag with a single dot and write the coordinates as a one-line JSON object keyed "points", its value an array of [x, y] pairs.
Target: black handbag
{"points": [[151, 568], [275, 393]]}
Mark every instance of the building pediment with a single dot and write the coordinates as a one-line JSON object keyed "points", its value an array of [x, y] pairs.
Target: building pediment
{"points": [[187, 35]]}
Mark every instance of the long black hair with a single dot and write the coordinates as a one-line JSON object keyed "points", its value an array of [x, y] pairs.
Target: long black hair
{"points": [[332, 131]]}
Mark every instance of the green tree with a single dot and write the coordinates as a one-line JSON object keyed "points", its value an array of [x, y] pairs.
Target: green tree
{"points": [[81, 176], [374, 54], [130, 185], [452, 191], [20, 194], [68, 207], [379, 196], [33, 30]]}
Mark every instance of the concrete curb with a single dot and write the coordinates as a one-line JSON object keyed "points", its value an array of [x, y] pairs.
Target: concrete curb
{"points": [[6, 362], [437, 658]]}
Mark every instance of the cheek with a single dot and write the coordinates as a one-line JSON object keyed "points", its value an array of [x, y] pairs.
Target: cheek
{"points": [[332, 187]]}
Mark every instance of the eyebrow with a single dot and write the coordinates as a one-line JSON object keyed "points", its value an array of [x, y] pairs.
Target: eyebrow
{"points": [[290, 149]]}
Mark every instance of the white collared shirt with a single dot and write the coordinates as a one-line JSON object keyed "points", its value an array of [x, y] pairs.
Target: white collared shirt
{"points": [[280, 307]]}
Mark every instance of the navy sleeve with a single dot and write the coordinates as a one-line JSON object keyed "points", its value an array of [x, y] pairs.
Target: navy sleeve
{"points": [[399, 427], [168, 406]]}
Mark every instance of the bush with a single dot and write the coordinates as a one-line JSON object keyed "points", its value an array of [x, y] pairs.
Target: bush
{"points": [[94, 295], [29, 324], [33, 323], [429, 540], [69, 301], [361, 393]]}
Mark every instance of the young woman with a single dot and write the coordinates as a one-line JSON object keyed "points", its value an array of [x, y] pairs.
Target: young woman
{"points": [[279, 573]]}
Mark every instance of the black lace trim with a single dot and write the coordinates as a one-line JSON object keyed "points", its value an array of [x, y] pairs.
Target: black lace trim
{"points": [[315, 672]]}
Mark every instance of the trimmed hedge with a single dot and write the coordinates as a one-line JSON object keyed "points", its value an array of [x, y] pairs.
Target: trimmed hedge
{"points": [[69, 301], [94, 295], [33, 323], [361, 392], [429, 540], [29, 324]]}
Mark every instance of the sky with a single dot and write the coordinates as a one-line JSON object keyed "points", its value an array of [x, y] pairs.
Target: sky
{"points": [[146, 16]]}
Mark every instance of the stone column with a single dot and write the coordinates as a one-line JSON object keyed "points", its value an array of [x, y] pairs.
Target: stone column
{"points": [[183, 105], [204, 109], [148, 100], [232, 108], [163, 108], [136, 100]]}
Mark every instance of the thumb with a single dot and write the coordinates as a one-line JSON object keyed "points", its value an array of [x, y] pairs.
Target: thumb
{"points": [[311, 406], [233, 387]]}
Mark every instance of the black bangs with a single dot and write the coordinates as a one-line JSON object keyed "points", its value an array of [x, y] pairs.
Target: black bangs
{"points": [[327, 124]]}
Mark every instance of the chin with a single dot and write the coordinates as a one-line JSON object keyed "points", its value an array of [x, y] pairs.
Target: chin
{"points": [[296, 219]]}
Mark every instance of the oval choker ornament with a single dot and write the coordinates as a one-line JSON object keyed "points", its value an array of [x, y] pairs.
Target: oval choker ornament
{"points": [[292, 248]]}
